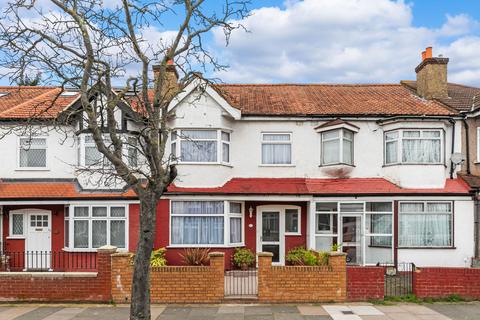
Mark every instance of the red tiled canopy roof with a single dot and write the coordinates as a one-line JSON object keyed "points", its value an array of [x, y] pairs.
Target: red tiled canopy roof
{"points": [[328, 99], [348, 186]]}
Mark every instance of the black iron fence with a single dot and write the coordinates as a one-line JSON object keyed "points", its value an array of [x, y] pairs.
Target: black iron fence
{"points": [[48, 261], [241, 284], [399, 279]]}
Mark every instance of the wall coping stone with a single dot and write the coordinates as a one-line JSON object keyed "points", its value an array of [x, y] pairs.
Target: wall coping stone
{"points": [[216, 254], [336, 254], [50, 274], [265, 254], [107, 249]]}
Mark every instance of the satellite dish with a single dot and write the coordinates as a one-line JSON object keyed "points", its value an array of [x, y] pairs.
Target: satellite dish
{"points": [[457, 158]]}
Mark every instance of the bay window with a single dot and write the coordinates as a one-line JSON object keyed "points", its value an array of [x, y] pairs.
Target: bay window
{"points": [[337, 147], [276, 148], [88, 227], [414, 146], [425, 224], [207, 223], [32, 153], [201, 146]]}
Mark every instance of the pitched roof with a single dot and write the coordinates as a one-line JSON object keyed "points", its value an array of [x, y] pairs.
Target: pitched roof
{"points": [[472, 180], [460, 97], [307, 186], [328, 100], [33, 102], [52, 190]]}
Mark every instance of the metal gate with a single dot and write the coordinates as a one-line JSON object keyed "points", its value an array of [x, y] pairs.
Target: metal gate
{"points": [[399, 279], [241, 284]]}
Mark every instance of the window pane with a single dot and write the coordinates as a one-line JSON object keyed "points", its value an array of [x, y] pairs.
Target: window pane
{"points": [[326, 223], [347, 151], [411, 207], [99, 211], [391, 135], [235, 207], [117, 211], [174, 135], [276, 153], [92, 156], [421, 151], [378, 224], [351, 207], [326, 206], [425, 230], [391, 152], [291, 220], [225, 152], [431, 134], [174, 150], [80, 212], [378, 206], [225, 136], [276, 137], [198, 151], [132, 156], [411, 134], [67, 234], [33, 158], [117, 233], [325, 243], [439, 207], [197, 230], [99, 233], [235, 230], [197, 207], [331, 151], [347, 135], [327, 135], [199, 134], [17, 224], [80, 234]]}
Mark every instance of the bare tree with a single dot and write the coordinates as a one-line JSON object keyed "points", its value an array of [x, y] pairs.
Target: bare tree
{"points": [[89, 46]]}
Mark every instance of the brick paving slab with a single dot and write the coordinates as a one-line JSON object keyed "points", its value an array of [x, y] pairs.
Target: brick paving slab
{"points": [[258, 310], [64, 314], [104, 313], [284, 309], [38, 313], [14, 312], [231, 309], [458, 311], [312, 311], [203, 311]]}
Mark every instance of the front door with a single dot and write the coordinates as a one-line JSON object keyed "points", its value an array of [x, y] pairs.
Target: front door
{"points": [[39, 244], [271, 235], [352, 238]]}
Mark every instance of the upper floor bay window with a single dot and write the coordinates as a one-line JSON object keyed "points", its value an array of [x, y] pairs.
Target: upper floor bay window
{"points": [[32, 153], [414, 146], [425, 224], [207, 223], [277, 148], [337, 147], [89, 227], [201, 146]]}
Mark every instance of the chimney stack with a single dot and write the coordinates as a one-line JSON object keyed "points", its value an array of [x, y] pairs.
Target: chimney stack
{"points": [[171, 77], [432, 76]]}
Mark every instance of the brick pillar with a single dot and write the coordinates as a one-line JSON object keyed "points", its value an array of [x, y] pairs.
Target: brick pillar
{"points": [[337, 261], [104, 268], [121, 278], [217, 262], [264, 271]]}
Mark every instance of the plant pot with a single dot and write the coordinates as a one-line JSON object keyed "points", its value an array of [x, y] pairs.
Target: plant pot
{"points": [[244, 266]]}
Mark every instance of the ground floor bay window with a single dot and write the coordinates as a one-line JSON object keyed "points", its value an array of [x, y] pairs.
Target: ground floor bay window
{"points": [[206, 223], [88, 227]]}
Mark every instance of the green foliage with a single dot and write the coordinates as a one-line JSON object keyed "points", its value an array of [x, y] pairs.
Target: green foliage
{"points": [[195, 256], [300, 256], [157, 259], [243, 257], [336, 247]]}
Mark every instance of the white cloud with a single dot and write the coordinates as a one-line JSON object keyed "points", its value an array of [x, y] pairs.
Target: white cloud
{"points": [[342, 41]]}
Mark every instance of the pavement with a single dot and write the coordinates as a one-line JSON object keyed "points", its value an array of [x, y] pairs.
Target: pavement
{"points": [[357, 311]]}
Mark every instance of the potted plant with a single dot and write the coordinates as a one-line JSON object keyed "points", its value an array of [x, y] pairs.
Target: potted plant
{"points": [[157, 259], [243, 258], [195, 256]]}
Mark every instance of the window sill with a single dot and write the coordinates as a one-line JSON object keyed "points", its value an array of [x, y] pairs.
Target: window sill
{"points": [[89, 250], [413, 164], [31, 169], [204, 164], [336, 164], [276, 165], [16, 237], [429, 248], [212, 246], [297, 234]]}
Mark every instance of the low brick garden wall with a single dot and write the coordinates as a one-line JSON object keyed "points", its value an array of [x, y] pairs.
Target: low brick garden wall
{"points": [[364, 283], [443, 282], [287, 284], [172, 284], [60, 286]]}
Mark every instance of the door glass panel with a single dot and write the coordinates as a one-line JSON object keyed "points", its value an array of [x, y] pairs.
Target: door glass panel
{"points": [[270, 226], [351, 239], [273, 248]]}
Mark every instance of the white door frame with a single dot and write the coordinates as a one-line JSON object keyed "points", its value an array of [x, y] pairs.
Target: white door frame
{"points": [[27, 213], [360, 242], [281, 210]]}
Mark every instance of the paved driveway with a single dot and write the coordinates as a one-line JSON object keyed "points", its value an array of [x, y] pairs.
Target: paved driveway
{"points": [[470, 311]]}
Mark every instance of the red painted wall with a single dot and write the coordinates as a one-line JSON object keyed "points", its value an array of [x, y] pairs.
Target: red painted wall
{"points": [[365, 283]]}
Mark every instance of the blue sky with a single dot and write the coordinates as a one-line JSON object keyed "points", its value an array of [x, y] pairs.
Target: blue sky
{"points": [[342, 41]]}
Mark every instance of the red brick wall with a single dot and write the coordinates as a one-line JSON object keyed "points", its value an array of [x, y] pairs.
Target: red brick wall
{"points": [[442, 282], [301, 284], [365, 283], [53, 287], [172, 284]]}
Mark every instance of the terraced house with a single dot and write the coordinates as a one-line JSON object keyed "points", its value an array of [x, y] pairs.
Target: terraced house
{"points": [[373, 169]]}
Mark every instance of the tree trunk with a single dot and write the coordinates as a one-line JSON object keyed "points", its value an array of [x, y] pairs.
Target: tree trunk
{"points": [[140, 304]]}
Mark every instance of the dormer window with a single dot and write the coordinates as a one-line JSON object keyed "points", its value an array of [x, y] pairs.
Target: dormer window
{"points": [[337, 147], [201, 146]]}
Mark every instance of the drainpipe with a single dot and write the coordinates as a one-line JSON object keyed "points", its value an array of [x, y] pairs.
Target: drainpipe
{"points": [[477, 225], [467, 143], [453, 146]]}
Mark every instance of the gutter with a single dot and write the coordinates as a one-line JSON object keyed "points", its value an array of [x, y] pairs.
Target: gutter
{"points": [[453, 146], [424, 117]]}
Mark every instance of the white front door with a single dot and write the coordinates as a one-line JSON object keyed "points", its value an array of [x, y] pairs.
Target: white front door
{"points": [[39, 243]]}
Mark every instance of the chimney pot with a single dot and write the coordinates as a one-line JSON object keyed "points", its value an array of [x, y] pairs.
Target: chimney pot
{"points": [[423, 55], [428, 52]]}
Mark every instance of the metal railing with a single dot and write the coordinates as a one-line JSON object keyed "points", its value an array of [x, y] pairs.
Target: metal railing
{"points": [[399, 279], [48, 261], [241, 284]]}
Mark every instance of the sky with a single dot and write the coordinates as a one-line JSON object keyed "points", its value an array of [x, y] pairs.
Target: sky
{"points": [[344, 41]]}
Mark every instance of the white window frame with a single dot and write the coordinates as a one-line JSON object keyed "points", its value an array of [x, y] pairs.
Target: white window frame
{"points": [[341, 137], [264, 142], [82, 144], [176, 139], [19, 147], [226, 225], [452, 222], [10, 224], [71, 219], [299, 222], [400, 139]]}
